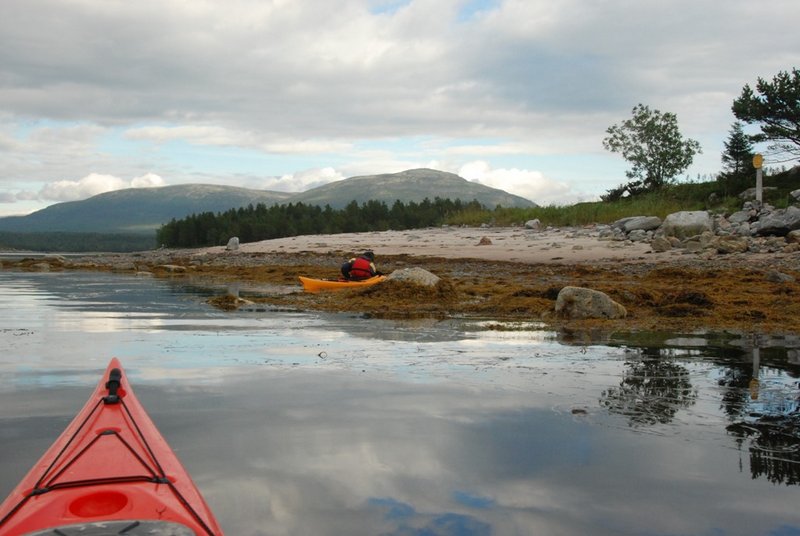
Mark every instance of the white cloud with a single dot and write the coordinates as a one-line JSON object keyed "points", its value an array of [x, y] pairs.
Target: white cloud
{"points": [[203, 135], [149, 180], [533, 185], [355, 84], [224, 137], [94, 184], [303, 180], [27, 195]]}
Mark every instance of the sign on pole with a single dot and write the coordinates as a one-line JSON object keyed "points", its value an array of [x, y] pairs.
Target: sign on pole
{"points": [[758, 161]]}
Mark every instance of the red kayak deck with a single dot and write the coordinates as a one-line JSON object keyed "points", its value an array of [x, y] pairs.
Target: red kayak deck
{"points": [[110, 467]]}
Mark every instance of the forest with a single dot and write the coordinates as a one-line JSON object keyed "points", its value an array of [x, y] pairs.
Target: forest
{"points": [[261, 222]]}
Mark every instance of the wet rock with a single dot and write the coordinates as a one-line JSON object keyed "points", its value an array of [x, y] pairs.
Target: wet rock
{"points": [[793, 237], [779, 277], [123, 267], [227, 302], [173, 268], [55, 259], [485, 241], [417, 276], [583, 303]]}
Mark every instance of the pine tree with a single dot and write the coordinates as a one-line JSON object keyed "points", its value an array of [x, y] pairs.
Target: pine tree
{"points": [[775, 107], [737, 160], [738, 155]]}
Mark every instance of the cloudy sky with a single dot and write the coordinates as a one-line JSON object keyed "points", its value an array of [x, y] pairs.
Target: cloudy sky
{"points": [[97, 95]]}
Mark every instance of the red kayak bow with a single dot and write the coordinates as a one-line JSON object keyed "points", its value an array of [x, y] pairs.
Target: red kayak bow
{"points": [[109, 472]]}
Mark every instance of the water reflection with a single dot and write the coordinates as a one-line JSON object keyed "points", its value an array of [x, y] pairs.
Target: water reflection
{"points": [[767, 424], [300, 423], [653, 389]]}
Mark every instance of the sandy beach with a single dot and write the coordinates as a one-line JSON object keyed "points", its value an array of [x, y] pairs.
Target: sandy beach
{"points": [[512, 244]]}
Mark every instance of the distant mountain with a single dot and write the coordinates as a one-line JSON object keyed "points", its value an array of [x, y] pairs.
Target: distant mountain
{"points": [[138, 210], [412, 185], [143, 210]]}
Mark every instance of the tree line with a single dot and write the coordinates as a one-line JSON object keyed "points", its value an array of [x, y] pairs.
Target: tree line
{"points": [[262, 222]]}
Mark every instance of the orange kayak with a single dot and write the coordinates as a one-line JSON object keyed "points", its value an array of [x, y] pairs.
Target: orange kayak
{"points": [[109, 472], [317, 285]]}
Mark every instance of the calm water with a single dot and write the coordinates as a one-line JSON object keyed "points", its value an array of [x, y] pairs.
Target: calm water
{"points": [[310, 424]]}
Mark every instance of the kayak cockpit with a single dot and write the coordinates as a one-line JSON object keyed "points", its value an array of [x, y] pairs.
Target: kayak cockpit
{"points": [[130, 527]]}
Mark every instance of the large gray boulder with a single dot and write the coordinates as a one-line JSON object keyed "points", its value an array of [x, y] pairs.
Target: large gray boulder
{"points": [[637, 223], [779, 222], [687, 223], [583, 303], [416, 276], [534, 224], [750, 193], [741, 216]]}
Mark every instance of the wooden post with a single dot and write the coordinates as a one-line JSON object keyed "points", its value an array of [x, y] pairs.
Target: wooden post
{"points": [[758, 161]]}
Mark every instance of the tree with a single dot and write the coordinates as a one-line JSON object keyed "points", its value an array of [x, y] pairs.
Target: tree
{"points": [[737, 160], [738, 155], [652, 143], [776, 109]]}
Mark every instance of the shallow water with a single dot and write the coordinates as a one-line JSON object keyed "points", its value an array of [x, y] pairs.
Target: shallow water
{"points": [[306, 423]]}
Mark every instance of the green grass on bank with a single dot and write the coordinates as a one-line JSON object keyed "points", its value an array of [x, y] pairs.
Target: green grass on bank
{"points": [[674, 198]]}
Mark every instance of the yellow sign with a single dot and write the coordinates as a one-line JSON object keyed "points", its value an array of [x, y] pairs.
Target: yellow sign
{"points": [[758, 161]]}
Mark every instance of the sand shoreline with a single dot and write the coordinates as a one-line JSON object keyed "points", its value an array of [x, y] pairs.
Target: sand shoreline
{"points": [[564, 245], [513, 244]]}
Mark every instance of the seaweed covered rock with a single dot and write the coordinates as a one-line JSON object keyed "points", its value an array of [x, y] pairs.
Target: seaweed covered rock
{"points": [[582, 303], [416, 276]]}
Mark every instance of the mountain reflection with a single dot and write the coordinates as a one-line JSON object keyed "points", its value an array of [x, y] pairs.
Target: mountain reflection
{"points": [[653, 389]]}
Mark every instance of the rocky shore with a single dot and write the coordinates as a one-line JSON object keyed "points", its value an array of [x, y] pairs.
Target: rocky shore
{"points": [[517, 273]]}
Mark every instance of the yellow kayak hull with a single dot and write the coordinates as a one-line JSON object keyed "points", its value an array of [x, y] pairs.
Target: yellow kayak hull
{"points": [[318, 285]]}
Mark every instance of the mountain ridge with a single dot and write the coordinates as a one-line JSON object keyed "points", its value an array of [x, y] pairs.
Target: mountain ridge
{"points": [[143, 210]]}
